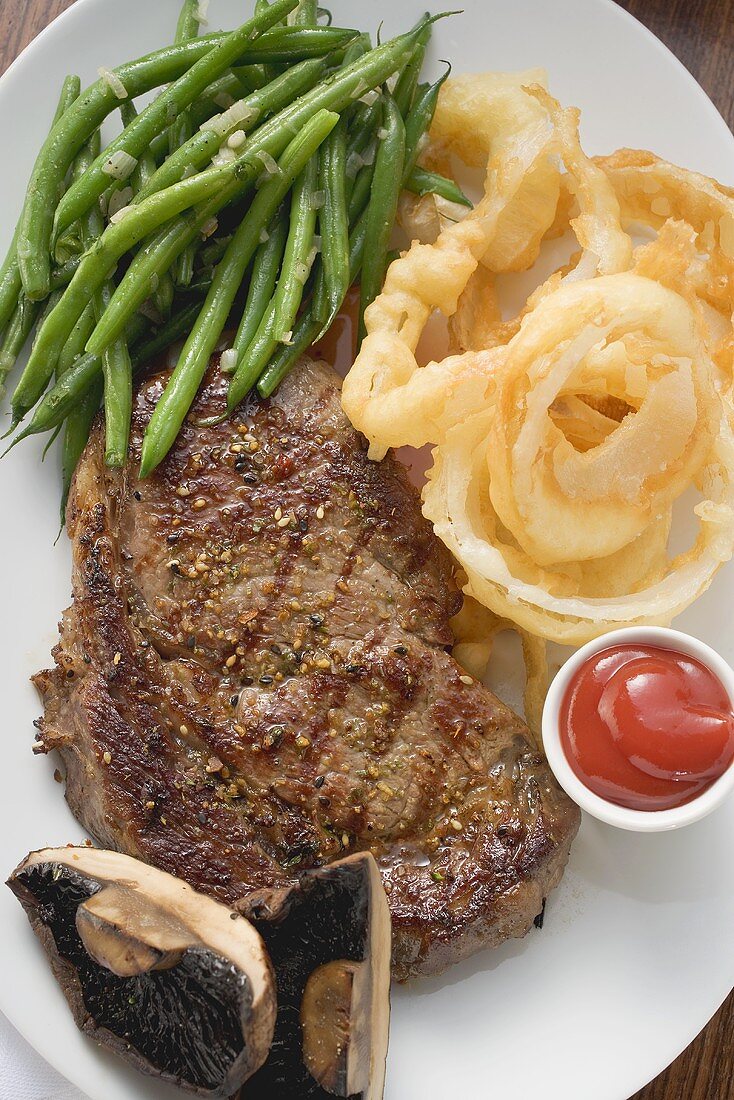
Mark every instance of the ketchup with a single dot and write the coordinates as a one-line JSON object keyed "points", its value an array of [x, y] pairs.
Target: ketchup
{"points": [[645, 727]]}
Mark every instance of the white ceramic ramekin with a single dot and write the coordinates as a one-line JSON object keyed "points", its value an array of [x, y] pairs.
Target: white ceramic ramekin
{"points": [[643, 821]]}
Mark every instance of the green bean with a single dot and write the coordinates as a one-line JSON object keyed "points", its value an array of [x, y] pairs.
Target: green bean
{"points": [[334, 93], [158, 147], [280, 316], [408, 80], [383, 205], [160, 253], [183, 384], [199, 150], [146, 166], [163, 295], [179, 325], [360, 192], [296, 80], [305, 14], [212, 253], [66, 139], [10, 281], [211, 190], [70, 91], [251, 77], [17, 332], [180, 131], [64, 396], [265, 268], [81, 373], [144, 170], [422, 182], [155, 257], [46, 307], [419, 121], [356, 49], [118, 397], [50, 442], [284, 45], [252, 360], [305, 334], [269, 72], [62, 275], [208, 104], [363, 126], [333, 225], [156, 117], [298, 249], [74, 346], [188, 22], [71, 132], [418, 180], [93, 270], [308, 326], [68, 246], [116, 365], [76, 434], [185, 267]]}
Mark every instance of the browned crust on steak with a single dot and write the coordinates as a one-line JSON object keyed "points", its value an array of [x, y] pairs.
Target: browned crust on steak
{"points": [[253, 679]]}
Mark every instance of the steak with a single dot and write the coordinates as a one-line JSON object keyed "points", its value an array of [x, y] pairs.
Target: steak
{"points": [[253, 678]]}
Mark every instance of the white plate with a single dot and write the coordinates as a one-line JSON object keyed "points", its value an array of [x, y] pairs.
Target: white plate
{"points": [[638, 946]]}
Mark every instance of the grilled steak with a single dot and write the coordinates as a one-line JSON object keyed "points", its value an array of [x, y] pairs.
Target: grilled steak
{"points": [[253, 678]]}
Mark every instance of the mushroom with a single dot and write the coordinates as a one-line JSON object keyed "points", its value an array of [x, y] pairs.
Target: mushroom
{"points": [[329, 941], [177, 983]]}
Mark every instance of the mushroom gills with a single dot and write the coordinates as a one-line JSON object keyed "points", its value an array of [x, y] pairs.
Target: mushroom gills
{"points": [[150, 968], [329, 941]]}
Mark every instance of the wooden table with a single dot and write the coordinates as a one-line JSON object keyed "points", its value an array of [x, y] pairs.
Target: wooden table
{"points": [[701, 33]]}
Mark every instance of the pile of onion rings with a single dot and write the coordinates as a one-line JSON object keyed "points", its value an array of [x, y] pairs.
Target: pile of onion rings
{"points": [[563, 437]]}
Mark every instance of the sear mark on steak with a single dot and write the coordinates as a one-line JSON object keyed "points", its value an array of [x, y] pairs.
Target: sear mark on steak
{"points": [[253, 678]]}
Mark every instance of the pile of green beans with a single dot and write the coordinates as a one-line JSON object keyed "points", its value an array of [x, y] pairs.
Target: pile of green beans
{"points": [[258, 186]]}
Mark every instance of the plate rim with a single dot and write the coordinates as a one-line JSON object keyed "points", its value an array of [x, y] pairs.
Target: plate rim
{"points": [[77, 10]]}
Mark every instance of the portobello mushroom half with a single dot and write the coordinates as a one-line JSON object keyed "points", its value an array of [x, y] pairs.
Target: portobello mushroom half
{"points": [[177, 983], [329, 941]]}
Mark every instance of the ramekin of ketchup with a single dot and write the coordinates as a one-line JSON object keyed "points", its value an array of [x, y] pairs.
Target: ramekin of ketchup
{"points": [[638, 728]]}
